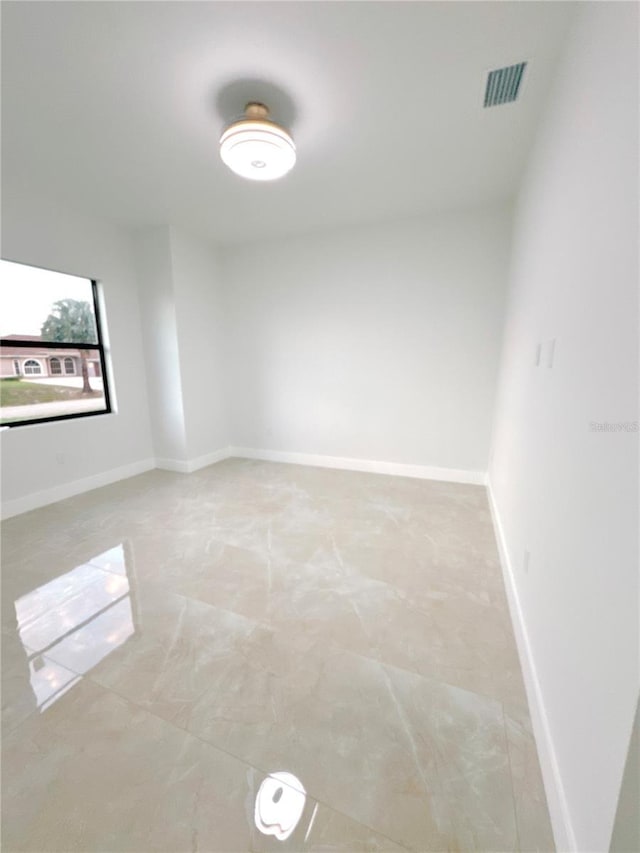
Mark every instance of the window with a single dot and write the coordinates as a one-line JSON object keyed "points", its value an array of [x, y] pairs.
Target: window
{"points": [[32, 367], [52, 360]]}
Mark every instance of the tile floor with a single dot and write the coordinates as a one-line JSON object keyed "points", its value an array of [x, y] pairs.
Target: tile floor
{"points": [[169, 641]]}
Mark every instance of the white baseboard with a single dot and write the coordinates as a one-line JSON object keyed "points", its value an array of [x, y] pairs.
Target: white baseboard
{"points": [[180, 466], [397, 469], [76, 487], [188, 466], [556, 798]]}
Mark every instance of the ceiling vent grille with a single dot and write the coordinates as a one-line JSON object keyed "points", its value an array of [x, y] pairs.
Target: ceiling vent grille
{"points": [[503, 85]]}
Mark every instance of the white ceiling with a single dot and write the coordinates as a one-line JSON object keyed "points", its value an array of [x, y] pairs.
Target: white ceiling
{"points": [[117, 107]]}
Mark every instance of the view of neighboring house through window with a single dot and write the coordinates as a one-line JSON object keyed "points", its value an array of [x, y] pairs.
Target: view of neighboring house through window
{"points": [[52, 362], [32, 367]]}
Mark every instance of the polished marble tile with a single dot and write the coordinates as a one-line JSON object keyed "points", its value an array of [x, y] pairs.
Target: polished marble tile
{"points": [[534, 827], [459, 736], [99, 773], [450, 637], [418, 737], [30, 682], [330, 717], [351, 629]]}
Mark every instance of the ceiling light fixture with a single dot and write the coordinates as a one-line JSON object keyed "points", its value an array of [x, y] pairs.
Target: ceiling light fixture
{"points": [[256, 147]]}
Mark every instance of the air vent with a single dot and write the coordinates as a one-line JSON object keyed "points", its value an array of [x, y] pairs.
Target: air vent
{"points": [[503, 85]]}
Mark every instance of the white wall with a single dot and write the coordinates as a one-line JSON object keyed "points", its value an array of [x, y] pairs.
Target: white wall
{"points": [[160, 337], [46, 458], [201, 329], [377, 343], [565, 493], [183, 331]]}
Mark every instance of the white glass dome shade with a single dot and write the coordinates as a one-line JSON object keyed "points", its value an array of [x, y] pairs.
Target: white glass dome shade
{"points": [[256, 147]]}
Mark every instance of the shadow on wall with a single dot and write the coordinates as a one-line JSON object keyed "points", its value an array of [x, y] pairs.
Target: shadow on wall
{"points": [[626, 829]]}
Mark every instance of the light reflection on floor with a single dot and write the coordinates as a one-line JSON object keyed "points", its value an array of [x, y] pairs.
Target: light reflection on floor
{"points": [[79, 617], [49, 681], [347, 630], [279, 805]]}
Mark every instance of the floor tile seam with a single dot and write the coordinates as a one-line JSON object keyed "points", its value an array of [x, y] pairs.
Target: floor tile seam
{"points": [[243, 761], [37, 707], [168, 587], [432, 678], [31, 571], [9, 730], [328, 530], [418, 609], [55, 658], [164, 586], [332, 646], [351, 571], [408, 728], [240, 547], [108, 572], [489, 697], [452, 596], [71, 595], [355, 571], [511, 783]]}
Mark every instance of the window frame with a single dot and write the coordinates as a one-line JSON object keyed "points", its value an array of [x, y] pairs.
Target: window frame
{"points": [[97, 347], [30, 361]]}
